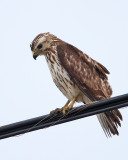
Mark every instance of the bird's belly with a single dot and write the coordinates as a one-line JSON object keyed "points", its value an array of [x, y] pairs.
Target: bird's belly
{"points": [[63, 81], [66, 86]]}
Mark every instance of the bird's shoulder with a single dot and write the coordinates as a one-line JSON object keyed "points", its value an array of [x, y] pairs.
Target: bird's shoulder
{"points": [[71, 53]]}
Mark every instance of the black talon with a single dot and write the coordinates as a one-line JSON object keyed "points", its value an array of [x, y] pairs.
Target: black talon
{"points": [[69, 109], [57, 111]]}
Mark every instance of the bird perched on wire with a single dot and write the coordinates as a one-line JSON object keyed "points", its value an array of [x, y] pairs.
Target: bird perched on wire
{"points": [[78, 77]]}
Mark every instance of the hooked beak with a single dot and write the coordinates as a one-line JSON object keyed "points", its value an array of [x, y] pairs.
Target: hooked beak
{"points": [[35, 55]]}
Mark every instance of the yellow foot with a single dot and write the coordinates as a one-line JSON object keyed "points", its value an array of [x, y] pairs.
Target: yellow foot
{"points": [[67, 107], [57, 110]]}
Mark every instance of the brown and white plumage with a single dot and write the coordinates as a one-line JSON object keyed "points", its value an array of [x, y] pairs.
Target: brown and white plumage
{"points": [[77, 75]]}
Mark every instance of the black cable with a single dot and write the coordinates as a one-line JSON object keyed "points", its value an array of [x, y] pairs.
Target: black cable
{"points": [[76, 113]]}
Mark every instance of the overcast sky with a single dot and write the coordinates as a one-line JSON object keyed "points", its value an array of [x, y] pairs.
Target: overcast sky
{"points": [[97, 27]]}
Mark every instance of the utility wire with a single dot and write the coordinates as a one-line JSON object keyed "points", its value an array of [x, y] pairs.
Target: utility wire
{"points": [[76, 113]]}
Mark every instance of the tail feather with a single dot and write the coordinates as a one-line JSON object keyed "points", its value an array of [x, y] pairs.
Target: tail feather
{"points": [[104, 124], [110, 121]]}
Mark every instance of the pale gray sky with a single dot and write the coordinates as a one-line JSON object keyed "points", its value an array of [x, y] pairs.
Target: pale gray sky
{"points": [[99, 28]]}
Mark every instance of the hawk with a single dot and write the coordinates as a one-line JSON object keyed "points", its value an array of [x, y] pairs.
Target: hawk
{"points": [[78, 77]]}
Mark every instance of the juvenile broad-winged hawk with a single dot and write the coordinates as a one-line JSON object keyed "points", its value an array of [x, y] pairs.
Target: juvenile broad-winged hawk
{"points": [[78, 76]]}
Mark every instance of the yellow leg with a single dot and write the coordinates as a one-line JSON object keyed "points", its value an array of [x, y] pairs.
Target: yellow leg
{"points": [[59, 109], [66, 103], [66, 107]]}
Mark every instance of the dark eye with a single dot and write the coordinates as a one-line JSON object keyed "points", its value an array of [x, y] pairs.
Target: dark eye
{"points": [[39, 46]]}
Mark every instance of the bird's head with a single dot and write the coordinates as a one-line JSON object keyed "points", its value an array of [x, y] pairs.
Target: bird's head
{"points": [[41, 44]]}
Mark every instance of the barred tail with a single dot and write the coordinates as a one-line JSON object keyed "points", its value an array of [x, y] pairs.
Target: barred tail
{"points": [[110, 121]]}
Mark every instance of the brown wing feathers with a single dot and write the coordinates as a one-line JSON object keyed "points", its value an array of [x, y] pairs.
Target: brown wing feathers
{"points": [[90, 77], [82, 70]]}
